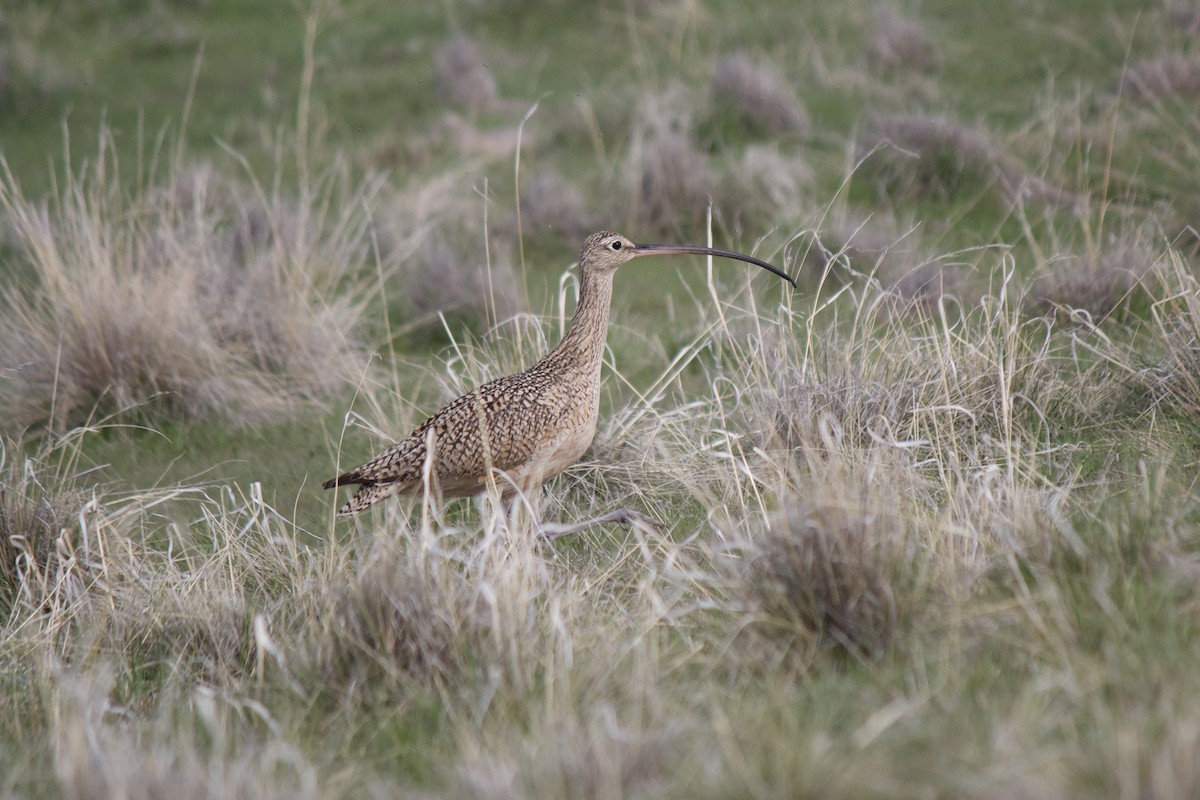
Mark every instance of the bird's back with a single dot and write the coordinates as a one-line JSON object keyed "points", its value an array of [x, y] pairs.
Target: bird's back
{"points": [[530, 425]]}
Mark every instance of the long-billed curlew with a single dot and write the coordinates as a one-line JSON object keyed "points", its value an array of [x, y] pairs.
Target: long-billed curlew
{"points": [[526, 428]]}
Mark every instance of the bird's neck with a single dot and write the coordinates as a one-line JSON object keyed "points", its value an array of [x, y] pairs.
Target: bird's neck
{"points": [[582, 347]]}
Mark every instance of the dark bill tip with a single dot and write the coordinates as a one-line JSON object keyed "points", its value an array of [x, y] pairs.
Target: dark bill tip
{"points": [[669, 249]]}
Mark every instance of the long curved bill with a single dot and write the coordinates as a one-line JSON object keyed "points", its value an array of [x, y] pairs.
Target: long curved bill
{"points": [[669, 249]]}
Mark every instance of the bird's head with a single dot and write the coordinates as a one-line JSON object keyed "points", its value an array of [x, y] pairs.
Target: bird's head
{"points": [[603, 252]]}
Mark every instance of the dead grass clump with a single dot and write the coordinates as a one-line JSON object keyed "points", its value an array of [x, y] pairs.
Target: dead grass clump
{"points": [[441, 611], [434, 243], [1175, 322], [759, 97], [899, 45], [1163, 77], [670, 180], [39, 519], [413, 615], [916, 156], [461, 77], [454, 275], [812, 411], [764, 186], [830, 566], [198, 745], [552, 206], [1106, 285], [582, 753], [922, 287], [156, 301], [879, 248], [1184, 16]]}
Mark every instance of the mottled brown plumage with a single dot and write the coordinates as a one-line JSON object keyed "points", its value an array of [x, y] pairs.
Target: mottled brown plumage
{"points": [[522, 429]]}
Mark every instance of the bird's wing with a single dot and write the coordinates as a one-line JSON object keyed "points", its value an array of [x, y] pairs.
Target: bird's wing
{"points": [[500, 425]]}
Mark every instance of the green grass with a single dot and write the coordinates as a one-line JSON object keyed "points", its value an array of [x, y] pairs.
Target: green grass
{"points": [[912, 549]]}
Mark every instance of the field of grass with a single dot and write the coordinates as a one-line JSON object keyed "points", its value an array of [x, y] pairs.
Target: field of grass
{"points": [[932, 518]]}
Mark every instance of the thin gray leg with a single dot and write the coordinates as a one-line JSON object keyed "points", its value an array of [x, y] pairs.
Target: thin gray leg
{"points": [[625, 517]]}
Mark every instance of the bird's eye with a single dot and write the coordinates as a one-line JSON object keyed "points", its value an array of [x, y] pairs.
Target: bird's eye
{"points": [[616, 245]]}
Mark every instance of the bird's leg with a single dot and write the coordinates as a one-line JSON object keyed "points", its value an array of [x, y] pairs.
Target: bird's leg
{"points": [[625, 517]]}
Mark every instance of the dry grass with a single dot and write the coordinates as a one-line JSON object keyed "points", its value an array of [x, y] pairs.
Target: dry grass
{"points": [[443, 259], [1108, 284], [552, 206], [880, 248], [899, 45], [764, 186], [829, 568], [39, 512], [950, 552], [760, 98], [917, 156], [1184, 16], [461, 77], [1168, 77], [669, 180], [1175, 317], [193, 299]]}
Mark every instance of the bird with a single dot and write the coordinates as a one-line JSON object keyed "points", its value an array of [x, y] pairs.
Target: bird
{"points": [[521, 430]]}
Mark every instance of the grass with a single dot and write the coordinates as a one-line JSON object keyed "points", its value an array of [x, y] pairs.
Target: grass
{"points": [[932, 524]]}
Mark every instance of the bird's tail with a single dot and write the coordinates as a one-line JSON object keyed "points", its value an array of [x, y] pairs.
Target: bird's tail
{"points": [[367, 496]]}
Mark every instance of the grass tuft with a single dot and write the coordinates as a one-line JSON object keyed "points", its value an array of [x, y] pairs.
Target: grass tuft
{"points": [[1174, 76], [553, 207], [759, 97], [920, 156], [189, 300], [827, 567], [1175, 379], [461, 77], [40, 512], [670, 180], [900, 45], [1111, 284]]}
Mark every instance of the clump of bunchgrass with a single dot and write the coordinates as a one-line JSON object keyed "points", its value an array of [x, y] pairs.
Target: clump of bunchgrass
{"points": [[461, 77], [444, 259], [1184, 16], [918, 156], [762, 187], [441, 608], [40, 514], [1175, 321], [155, 300], [759, 97], [552, 206], [413, 610], [1107, 284], [828, 566], [899, 44], [669, 179], [1174, 76], [878, 248], [457, 274], [194, 743], [603, 750]]}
